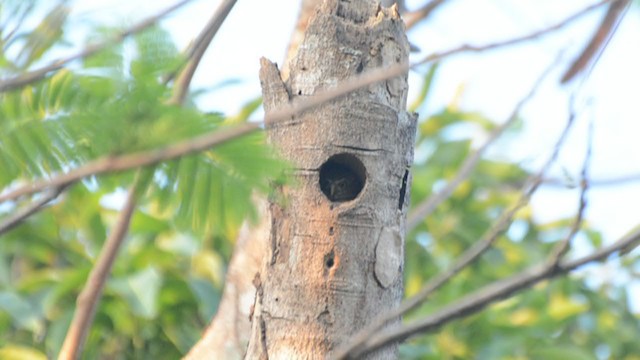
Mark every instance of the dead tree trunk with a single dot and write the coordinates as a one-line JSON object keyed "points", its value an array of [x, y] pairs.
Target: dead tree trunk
{"points": [[335, 249]]}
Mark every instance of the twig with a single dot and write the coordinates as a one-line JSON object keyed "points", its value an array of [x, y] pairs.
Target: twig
{"points": [[599, 40], [427, 206], [495, 291], [201, 44], [39, 74], [623, 179], [7, 40], [413, 17], [90, 295], [468, 257], [479, 48], [561, 249], [34, 207]]}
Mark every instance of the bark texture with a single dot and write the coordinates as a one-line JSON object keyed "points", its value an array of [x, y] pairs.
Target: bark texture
{"points": [[335, 250], [228, 334]]}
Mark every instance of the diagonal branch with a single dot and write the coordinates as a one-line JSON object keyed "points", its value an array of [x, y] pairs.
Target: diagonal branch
{"points": [[414, 17], [201, 44], [599, 40], [39, 74], [426, 207], [563, 247], [111, 164], [479, 299], [15, 219], [89, 297], [516, 40]]}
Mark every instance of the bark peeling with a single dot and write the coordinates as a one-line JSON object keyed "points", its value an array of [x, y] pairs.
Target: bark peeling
{"points": [[336, 248]]}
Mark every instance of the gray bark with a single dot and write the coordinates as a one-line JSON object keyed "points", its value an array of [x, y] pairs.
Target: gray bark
{"points": [[228, 334], [335, 249]]}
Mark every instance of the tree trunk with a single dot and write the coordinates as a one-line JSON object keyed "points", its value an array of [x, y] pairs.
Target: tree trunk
{"points": [[335, 249]]}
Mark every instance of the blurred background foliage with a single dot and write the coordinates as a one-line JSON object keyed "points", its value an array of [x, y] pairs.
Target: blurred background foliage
{"points": [[167, 281]]}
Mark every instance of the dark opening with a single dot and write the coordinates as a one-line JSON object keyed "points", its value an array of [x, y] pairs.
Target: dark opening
{"points": [[403, 189], [342, 177], [329, 260]]}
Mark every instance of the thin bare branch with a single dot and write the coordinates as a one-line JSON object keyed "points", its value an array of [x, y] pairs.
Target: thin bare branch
{"points": [[513, 41], [563, 247], [111, 164], [197, 51], [612, 181], [39, 74], [479, 299], [414, 17], [599, 40], [89, 297], [7, 39], [15, 219], [426, 207]]}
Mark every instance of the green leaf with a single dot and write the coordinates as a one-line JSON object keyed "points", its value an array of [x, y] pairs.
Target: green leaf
{"points": [[140, 290], [44, 36], [565, 352], [14, 352], [427, 82], [207, 295], [24, 315]]}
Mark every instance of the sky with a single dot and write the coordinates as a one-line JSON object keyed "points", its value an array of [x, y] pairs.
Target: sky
{"points": [[490, 82]]}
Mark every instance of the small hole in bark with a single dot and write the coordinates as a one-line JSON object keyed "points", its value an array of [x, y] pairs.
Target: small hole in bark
{"points": [[403, 189], [299, 92], [276, 299], [342, 177], [331, 230], [329, 260], [360, 68]]}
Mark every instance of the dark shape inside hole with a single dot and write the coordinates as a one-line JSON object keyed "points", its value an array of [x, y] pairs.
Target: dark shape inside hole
{"points": [[342, 177], [329, 260], [403, 189]]}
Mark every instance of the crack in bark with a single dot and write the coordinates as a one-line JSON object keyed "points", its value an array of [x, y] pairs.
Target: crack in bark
{"points": [[356, 148], [275, 249], [263, 338]]}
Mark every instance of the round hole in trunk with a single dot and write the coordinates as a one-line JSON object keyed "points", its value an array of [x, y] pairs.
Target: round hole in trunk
{"points": [[342, 177]]}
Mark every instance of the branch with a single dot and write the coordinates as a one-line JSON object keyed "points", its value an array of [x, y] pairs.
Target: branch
{"points": [[132, 161], [18, 217], [563, 247], [612, 181], [426, 207], [195, 55], [599, 40], [39, 74], [495, 291], [89, 297], [513, 41], [414, 17]]}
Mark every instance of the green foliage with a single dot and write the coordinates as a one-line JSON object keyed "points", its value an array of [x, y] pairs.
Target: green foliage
{"points": [[568, 318], [167, 281]]}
